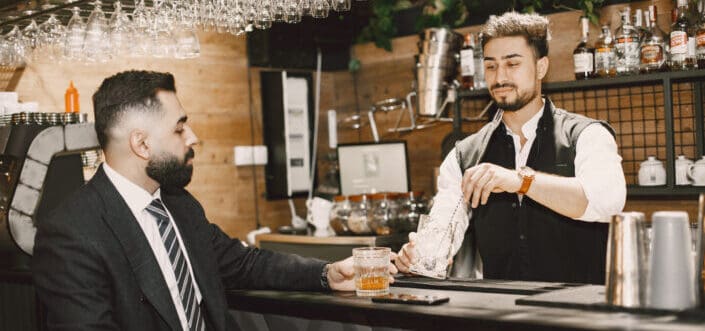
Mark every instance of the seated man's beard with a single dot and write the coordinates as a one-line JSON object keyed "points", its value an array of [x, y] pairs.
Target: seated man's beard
{"points": [[168, 171]]}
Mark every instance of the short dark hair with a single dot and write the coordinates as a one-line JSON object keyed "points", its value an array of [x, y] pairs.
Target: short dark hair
{"points": [[533, 27], [127, 91]]}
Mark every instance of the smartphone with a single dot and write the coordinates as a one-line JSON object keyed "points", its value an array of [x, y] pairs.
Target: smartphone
{"points": [[410, 299]]}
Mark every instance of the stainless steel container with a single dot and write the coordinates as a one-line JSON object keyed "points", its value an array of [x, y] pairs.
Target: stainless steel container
{"points": [[437, 65], [627, 261]]}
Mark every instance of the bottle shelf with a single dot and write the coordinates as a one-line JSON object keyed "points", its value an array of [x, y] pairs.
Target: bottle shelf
{"points": [[669, 124], [664, 192]]}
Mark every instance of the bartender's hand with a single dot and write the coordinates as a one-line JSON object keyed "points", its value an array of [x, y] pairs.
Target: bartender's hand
{"points": [[486, 178], [406, 256], [341, 274]]}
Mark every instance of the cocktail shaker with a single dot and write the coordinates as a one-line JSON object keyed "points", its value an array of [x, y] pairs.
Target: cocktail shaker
{"points": [[627, 261]]}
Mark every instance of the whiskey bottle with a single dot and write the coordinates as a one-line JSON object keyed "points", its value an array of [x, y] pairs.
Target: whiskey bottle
{"points": [[467, 62], [604, 54], [583, 55], [653, 47], [680, 58], [627, 46]]}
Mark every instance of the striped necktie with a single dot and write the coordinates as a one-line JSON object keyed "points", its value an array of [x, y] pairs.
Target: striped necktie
{"points": [[178, 262]]}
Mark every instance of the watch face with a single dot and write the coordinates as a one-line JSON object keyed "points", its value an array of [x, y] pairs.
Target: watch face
{"points": [[526, 172]]}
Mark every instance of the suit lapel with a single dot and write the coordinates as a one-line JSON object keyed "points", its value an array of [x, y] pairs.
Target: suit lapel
{"points": [[199, 258], [137, 250]]}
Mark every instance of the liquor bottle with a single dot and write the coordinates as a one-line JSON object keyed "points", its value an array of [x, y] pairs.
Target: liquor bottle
{"points": [[583, 55], [479, 64], [653, 47], [467, 62], [627, 46], [639, 24], [604, 54], [700, 43], [680, 58]]}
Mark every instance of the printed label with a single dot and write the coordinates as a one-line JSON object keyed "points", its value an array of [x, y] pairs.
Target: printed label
{"points": [[583, 62], [679, 42], [467, 63]]}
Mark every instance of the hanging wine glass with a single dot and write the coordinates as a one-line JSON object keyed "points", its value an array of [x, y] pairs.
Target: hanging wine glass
{"points": [[320, 8], [75, 34], [237, 22], [51, 37], [341, 5], [30, 39], [121, 30], [264, 16], [306, 7], [292, 11], [162, 44], [16, 47], [95, 46], [251, 13], [278, 10], [141, 23], [186, 39], [222, 16]]}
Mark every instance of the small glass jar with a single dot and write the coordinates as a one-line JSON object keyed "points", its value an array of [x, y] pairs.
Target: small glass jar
{"points": [[412, 205], [339, 214], [358, 221], [382, 214]]}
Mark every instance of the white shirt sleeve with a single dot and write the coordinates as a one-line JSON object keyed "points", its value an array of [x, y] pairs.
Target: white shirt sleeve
{"points": [[598, 168], [449, 192], [449, 182]]}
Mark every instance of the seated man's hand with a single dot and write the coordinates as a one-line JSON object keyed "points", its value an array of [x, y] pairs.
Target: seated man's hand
{"points": [[406, 256], [341, 274], [486, 178]]}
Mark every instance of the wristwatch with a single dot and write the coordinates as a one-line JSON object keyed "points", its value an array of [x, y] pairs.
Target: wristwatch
{"points": [[526, 175]]}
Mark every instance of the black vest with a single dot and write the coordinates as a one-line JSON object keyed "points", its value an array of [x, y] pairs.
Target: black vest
{"points": [[527, 241]]}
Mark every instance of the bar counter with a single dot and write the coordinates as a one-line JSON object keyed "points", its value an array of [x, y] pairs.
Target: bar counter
{"points": [[483, 305]]}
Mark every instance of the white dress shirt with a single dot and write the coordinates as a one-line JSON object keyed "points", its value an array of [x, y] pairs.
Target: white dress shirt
{"points": [[598, 168], [137, 200]]}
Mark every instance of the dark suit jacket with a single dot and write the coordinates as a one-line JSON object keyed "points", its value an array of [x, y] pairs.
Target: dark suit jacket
{"points": [[94, 269]]}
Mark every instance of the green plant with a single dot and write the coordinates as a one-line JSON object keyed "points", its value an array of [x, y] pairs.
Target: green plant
{"points": [[380, 29]]}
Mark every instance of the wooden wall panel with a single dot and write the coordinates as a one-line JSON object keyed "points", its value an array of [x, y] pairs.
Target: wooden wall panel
{"points": [[225, 110]]}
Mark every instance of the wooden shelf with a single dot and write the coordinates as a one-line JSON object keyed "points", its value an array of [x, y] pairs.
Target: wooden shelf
{"points": [[664, 192], [631, 80]]}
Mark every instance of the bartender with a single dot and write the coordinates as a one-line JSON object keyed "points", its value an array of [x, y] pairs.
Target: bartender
{"points": [[541, 182]]}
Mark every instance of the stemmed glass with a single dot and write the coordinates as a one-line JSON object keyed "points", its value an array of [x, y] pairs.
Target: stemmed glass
{"points": [[15, 47], [264, 16], [341, 5], [187, 44], [163, 43], [306, 6], [320, 8], [141, 21], [30, 39], [237, 22], [95, 46], [120, 31], [292, 11], [278, 10], [75, 34], [51, 37]]}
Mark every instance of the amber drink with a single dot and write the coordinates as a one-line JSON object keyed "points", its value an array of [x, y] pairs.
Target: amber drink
{"points": [[371, 270]]}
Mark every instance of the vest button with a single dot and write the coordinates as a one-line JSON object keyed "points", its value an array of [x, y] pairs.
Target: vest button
{"points": [[522, 237], [514, 204]]}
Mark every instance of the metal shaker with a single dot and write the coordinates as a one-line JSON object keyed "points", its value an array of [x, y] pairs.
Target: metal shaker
{"points": [[627, 261]]}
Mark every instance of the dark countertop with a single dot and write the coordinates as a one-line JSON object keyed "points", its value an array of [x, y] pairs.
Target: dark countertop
{"points": [[470, 309]]}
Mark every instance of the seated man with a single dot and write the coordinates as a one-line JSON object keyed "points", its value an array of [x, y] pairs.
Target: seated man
{"points": [[541, 182], [132, 249]]}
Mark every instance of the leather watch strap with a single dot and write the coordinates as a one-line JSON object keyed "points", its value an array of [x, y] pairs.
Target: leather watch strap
{"points": [[527, 177]]}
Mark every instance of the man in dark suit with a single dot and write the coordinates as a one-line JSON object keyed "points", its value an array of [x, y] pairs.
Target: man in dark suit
{"points": [[133, 250]]}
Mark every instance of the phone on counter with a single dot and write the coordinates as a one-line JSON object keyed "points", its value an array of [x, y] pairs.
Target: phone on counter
{"points": [[412, 299]]}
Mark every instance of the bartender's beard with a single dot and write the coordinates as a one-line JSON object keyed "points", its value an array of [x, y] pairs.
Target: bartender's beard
{"points": [[522, 98], [169, 171]]}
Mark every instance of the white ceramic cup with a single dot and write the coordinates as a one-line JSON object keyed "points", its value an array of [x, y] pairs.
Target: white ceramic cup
{"points": [[671, 276]]}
